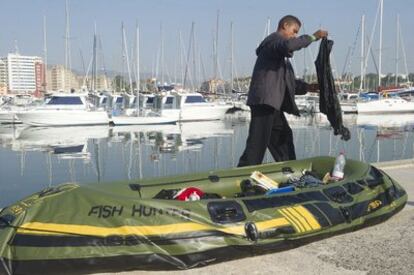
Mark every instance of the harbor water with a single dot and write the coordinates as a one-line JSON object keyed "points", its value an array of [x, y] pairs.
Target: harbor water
{"points": [[34, 158]]}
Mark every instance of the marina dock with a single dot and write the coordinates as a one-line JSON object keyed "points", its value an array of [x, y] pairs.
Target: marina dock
{"points": [[386, 248]]}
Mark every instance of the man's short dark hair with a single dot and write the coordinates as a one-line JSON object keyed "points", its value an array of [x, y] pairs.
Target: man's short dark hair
{"points": [[288, 19]]}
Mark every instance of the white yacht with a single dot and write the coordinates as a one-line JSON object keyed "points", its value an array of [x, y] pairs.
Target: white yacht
{"points": [[349, 107], [307, 103], [390, 105], [138, 115], [348, 102], [64, 110], [192, 107], [8, 116], [10, 106]]}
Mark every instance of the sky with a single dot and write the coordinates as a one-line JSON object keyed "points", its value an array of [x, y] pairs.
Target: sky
{"points": [[21, 24]]}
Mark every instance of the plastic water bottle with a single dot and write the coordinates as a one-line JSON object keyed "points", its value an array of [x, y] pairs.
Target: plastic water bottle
{"points": [[338, 170]]}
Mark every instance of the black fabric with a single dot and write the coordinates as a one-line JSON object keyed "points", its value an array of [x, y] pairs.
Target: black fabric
{"points": [[268, 129], [328, 102], [273, 75]]}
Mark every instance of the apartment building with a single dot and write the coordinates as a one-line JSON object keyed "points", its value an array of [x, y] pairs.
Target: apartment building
{"points": [[3, 78], [58, 78], [18, 73]]}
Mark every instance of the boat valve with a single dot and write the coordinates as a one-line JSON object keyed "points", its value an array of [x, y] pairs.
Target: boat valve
{"points": [[251, 231]]}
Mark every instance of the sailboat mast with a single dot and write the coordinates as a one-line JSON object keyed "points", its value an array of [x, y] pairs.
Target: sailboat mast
{"points": [[216, 46], [380, 44], [194, 60], [361, 85], [94, 61], [162, 56], [268, 26], [68, 65], [138, 80], [44, 55], [127, 58], [186, 72], [231, 58], [397, 47]]}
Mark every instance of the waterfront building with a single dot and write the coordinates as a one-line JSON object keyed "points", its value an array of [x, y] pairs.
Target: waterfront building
{"points": [[19, 74], [103, 83], [3, 89], [3, 78], [214, 86], [59, 78]]}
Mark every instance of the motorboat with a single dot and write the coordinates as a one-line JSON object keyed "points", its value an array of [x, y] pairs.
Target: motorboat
{"points": [[192, 106], [307, 103], [8, 116], [64, 110], [10, 106]]}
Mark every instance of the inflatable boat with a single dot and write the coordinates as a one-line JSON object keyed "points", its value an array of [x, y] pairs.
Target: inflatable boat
{"points": [[186, 221]]}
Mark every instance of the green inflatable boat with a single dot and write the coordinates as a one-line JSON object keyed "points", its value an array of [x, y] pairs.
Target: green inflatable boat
{"points": [[193, 220]]}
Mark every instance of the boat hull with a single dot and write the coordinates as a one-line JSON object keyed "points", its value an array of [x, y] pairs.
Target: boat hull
{"points": [[9, 117], [198, 112], [129, 225], [349, 107], [63, 117], [145, 120], [387, 105]]}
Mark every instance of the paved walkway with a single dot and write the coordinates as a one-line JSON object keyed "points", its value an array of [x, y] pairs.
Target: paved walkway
{"points": [[387, 248]]}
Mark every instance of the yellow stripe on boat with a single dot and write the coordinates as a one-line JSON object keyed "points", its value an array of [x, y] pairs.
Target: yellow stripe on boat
{"points": [[308, 216], [300, 218], [88, 230], [304, 225], [292, 221]]}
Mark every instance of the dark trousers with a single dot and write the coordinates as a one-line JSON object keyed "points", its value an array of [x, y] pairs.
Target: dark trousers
{"points": [[268, 129]]}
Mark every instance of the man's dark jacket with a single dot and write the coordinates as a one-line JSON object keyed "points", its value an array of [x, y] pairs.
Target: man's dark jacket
{"points": [[273, 74]]}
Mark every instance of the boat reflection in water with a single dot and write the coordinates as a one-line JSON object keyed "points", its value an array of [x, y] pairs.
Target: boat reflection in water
{"points": [[171, 138], [386, 120], [388, 125], [8, 133], [393, 136], [35, 157], [66, 142]]}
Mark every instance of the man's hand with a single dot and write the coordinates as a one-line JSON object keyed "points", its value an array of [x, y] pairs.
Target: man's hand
{"points": [[320, 34]]}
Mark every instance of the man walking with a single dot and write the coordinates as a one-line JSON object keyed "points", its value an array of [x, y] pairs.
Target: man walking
{"points": [[272, 92]]}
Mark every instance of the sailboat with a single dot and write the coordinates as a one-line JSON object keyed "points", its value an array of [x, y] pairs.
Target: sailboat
{"points": [[135, 117], [385, 103]]}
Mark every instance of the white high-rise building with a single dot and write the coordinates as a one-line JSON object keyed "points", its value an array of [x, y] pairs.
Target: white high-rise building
{"points": [[20, 73], [3, 78]]}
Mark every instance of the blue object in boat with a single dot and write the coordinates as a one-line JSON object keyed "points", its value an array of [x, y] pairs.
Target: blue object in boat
{"points": [[280, 190]]}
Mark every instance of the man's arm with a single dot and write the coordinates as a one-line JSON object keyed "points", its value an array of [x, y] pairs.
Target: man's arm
{"points": [[287, 46], [302, 87]]}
